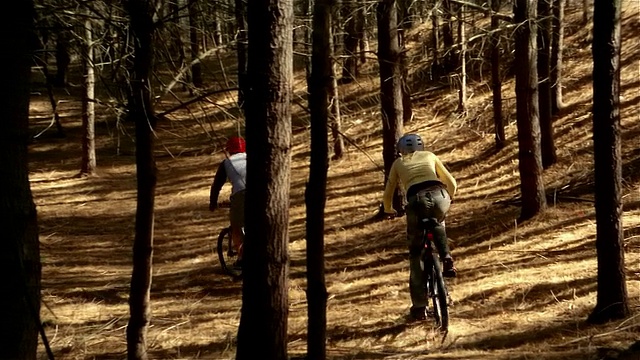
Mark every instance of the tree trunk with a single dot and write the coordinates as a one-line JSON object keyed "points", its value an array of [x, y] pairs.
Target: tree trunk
{"points": [[612, 301], [88, 166], [529, 154], [462, 94], [52, 98], [176, 33], [19, 247], [196, 65], [544, 85], [405, 24], [308, 15], [334, 90], [407, 107], [263, 322], [390, 86], [350, 67], [322, 77], [450, 63], [436, 65], [336, 117], [406, 18], [241, 20], [62, 58], [361, 30], [141, 112], [557, 45], [217, 24], [496, 77]]}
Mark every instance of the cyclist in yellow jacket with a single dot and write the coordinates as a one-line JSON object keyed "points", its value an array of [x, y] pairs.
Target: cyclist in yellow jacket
{"points": [[429, 188]]}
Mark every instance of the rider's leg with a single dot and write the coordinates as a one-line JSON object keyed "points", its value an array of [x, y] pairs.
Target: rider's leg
{"points": [[441, 203], [416, 278], [440, 240], [236, 239], [237, 220], [437, 203]]}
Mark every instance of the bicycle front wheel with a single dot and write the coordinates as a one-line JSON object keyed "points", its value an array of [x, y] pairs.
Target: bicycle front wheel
{"points": [[439, 295]]}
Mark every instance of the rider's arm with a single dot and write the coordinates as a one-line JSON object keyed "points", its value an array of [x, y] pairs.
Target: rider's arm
{"points": [[445, 176], [392, 182], [216, 186]]}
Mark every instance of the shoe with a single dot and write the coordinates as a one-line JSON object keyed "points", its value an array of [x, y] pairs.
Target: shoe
{"points": [[417, 314], [448, 269], [237, 264], [236, 268]]}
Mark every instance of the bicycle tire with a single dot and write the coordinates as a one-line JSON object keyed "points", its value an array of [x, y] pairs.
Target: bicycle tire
{"points": [[439, 294], [225, 251]]}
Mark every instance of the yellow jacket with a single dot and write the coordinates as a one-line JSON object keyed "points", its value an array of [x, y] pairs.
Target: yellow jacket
{"points": [[414, 168]]}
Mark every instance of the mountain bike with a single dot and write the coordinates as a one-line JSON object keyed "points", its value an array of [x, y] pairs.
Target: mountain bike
{"points": [[435, 288], [227, 253]]}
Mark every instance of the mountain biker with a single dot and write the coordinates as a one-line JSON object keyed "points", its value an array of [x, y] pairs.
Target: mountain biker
{"points": [[233, 168], [429, 188]]}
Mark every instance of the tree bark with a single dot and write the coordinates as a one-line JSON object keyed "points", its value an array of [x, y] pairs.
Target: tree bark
{"points": [[529, 154], [336, 117], [308, 15], [544, 85], [88, 166], [350, 67], [361, 30], [612, 300], [557, 46], [217, 23], [496, 76], [19, 247], [462, 94], [322, 77], [407, 106], [49, 83], [390, 86], [177, 33], [406, 23], [194, 41], [436, 65], [141, 112], [406, 14], [450, 63], [62, 58], [335, 122], [241, 40], [263, 321]]}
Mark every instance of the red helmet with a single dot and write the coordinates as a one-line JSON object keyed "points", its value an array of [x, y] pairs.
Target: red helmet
{"points": [[235, 145]]}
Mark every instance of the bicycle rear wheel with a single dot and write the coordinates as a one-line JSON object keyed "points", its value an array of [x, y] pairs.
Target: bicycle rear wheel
{"points": [[227, 254], [439, 294]]}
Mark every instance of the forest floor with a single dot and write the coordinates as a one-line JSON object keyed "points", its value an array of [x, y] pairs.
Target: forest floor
{"points": [[523, 291]]}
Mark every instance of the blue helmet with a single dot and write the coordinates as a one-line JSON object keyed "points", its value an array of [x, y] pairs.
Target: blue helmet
{"points": [[409, 143]]}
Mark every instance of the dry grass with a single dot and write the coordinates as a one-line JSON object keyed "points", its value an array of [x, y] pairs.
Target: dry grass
{"points": [[523, 292]]}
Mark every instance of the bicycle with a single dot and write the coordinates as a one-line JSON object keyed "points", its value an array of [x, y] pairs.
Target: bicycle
{"points": [[227, 253], [435, 287]]}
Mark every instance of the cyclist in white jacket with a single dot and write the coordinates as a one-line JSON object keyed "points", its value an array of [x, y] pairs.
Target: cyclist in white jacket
{"points": [[234, 169]]}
